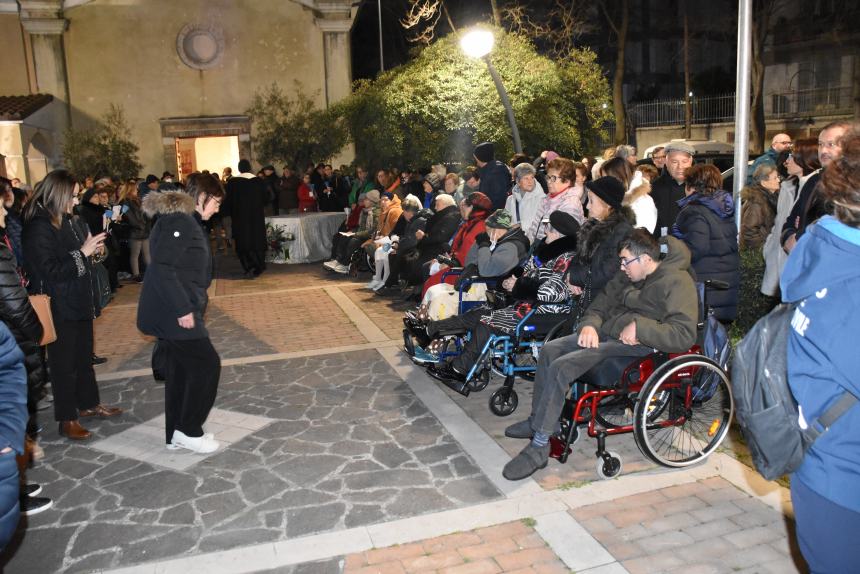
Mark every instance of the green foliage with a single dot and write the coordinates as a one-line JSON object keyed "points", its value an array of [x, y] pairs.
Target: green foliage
{"points": [[293, 131], [436, 107], [752, 303], [529, 521], [105, 150]]}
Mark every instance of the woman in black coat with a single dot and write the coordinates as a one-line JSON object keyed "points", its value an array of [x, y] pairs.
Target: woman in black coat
{"points": [[433, 241], [706, 223], [172, 306], [58, 264]]}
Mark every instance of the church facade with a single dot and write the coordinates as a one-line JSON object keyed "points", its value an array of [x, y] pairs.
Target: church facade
{"points": [[184, 73]]}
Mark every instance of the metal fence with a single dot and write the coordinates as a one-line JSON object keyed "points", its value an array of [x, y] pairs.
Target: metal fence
{"points": [[715, 109]]}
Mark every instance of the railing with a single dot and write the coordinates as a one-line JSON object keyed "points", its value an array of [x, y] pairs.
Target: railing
{"points": [[715, 109], [818, 101]]}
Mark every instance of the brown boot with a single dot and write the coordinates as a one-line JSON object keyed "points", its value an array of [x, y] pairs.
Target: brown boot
{"points": [[74, 430]]}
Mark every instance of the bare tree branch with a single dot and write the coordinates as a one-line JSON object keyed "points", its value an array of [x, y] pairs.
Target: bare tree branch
{"points": [[422, 18]]}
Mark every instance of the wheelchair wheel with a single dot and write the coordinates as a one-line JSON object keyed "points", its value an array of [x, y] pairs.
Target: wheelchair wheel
{"points": [[479, 382], [610, 467], [673, 429], [504, 401]]}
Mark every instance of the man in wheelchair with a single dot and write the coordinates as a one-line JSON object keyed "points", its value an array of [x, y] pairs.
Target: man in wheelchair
{"points": [[543, 286], [650, 304]]}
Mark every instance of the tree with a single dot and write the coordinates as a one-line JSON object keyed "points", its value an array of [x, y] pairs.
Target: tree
{"points": [[293, 131], [438, 105], [763, 10], [105, 150], [618, 22]]}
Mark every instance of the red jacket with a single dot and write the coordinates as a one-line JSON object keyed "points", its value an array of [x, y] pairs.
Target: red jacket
{"points": [[307, 201]]}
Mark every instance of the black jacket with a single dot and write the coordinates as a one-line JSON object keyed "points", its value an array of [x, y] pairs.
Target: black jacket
{"points": [[93, 215], [496, 183], [245, 204], [56, 266], [713, 243], [438, 232], [180, 272], [19, 316], [597, 249], [666, 192], [808, 208]]}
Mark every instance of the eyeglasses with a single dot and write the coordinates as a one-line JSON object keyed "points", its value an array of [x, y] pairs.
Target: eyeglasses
{"points": [[658, 157], [627, 262], [832, 144], [553, 178]]}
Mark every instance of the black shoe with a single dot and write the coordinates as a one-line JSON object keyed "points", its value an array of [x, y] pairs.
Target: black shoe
{"points": [[34, 505], [387, 291], [99, 360], [522, 429], [31, 489]]}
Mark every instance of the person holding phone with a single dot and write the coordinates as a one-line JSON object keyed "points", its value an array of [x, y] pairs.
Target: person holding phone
{"points": [[58, 255]]}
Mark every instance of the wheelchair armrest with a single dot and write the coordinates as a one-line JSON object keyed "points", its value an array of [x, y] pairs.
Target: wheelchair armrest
{"points": [[451, 272]]}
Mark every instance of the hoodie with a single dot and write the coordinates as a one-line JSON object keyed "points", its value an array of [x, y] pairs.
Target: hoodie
{"points": [[822, 276], [388, 217], [664, 305], [707, 225], [180, 271]]}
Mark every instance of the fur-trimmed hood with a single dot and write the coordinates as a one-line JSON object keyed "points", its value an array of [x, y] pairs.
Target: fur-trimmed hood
{"points": [[165, 202], [639, 186]]}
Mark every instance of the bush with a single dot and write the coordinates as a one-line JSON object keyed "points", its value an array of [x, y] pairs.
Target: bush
{"points": [[106, 150]]}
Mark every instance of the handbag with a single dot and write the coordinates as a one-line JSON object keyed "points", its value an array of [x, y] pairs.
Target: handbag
{"points": [[101, 285], [42, 306]]}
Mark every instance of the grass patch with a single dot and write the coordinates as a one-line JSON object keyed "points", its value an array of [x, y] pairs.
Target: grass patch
{"points": [[530, 522]]}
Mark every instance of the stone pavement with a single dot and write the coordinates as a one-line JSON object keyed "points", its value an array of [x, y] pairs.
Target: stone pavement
{"points": [[361, 463]]}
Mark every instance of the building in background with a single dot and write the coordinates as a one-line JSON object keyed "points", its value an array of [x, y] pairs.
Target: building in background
{"points": [[183, 72]]}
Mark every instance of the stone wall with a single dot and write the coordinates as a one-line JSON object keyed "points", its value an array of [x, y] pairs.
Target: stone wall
{"points": [[13, 64]]}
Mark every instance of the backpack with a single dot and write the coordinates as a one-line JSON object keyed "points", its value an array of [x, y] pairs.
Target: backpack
{"points": [[717, 347], [764, 405]]}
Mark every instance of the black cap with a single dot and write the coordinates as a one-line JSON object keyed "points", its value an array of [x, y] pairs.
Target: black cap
{"points": [[151, 179], [609, 189]]}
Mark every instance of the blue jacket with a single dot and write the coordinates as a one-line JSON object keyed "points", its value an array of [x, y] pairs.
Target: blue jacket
{"points": [[13, 392], [823, 276]]}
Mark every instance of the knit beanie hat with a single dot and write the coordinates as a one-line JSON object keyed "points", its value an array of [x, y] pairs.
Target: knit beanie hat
{"points": [[373, 196], [609, 189], [387, 195], [500, 219], [485, 152], [479, 201], [434, 180]]}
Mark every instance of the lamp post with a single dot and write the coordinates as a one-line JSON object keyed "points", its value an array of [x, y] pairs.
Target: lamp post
{"points": [[478, 44]]}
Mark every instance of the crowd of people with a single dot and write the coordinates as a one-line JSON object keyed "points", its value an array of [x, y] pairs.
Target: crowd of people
{"points": [[614, 245]]}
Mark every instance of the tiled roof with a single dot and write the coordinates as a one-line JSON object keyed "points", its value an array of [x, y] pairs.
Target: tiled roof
{"points": [[14, 108]]}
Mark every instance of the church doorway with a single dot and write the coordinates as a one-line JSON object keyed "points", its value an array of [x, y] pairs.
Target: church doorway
{"points": [[212, 153]]}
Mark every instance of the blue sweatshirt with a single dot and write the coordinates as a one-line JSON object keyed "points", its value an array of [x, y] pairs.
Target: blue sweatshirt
{"points": [[823, 276], [13, 392]]}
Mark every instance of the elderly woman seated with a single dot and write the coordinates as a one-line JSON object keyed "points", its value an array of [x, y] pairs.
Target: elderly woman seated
{"points": [[495, 253], [544, 286]]}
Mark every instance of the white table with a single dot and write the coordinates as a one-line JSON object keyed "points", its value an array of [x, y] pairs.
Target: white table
{"points": [[301, 238]]}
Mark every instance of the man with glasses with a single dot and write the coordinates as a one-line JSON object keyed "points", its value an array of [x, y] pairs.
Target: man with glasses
{"points": [[809, 205], [658, 158], [779, 144], [651, 303]]}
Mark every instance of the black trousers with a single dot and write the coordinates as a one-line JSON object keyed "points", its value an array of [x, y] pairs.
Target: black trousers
{"points": [[251, 260], [347, 248], [193, 372], [70, 359]]}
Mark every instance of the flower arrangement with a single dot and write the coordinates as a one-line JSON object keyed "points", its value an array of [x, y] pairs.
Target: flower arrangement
{"points": [[276, 240]]}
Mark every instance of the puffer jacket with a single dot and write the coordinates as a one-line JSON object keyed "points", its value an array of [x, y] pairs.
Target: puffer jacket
{"points": [[438, 232], [139, 224], [665, 305], [13, 418], [707, 225], [56, 266], [180, 272], [408, 241], [596, 260], [17, 313]]}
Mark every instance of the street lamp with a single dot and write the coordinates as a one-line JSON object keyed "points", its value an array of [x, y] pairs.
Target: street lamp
{"points": [[477, 44]]}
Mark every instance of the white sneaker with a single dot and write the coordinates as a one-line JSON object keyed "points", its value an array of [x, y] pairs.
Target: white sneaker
{"points": [[171, 446], [340, 268], [375, 284], [202, 444], [330, 264]]}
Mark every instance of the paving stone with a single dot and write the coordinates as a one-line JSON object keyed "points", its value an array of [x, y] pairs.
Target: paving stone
{"points": [[463, 466], [76, 516], [301, 521], [410, 502], [390, 456], [753, 536], [437, 453], [217, 508], [180, 514], [364, 514], [137, 492], [259, 484], [720, 510], [310, 469], [176, 541], [95, 537], [235, 538], [214, 485], [80, 495], [385, 478], [92, 563], [303, 497], [712, 529]]}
